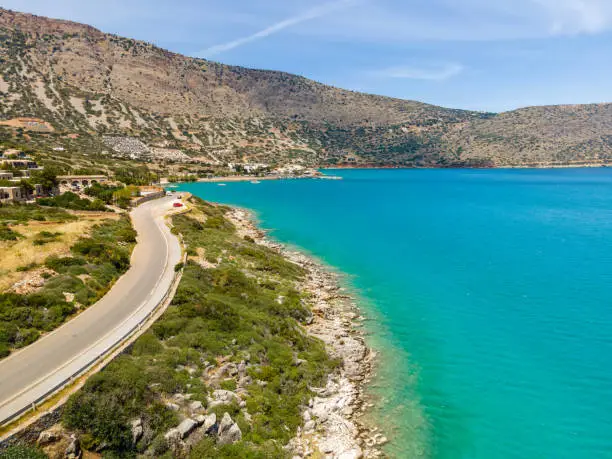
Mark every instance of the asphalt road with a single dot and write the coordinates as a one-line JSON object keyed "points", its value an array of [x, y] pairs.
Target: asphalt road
{"points": [[30, 373]]}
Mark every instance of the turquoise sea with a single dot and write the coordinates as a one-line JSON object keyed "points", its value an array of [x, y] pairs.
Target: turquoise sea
{"points": [[489, 294]]}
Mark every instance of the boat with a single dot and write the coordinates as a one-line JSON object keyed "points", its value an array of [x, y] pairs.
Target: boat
{"points": [[222, 184], [255, 181]]}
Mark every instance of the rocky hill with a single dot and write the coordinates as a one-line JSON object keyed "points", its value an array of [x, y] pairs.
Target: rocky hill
{"points": [[80, 83]]}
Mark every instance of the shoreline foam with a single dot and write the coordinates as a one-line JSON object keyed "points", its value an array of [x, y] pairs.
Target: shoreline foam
{"points": [[333, 422]]}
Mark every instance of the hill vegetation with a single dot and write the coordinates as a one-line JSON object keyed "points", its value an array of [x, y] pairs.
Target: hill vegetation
{"points": [[73, 86]]}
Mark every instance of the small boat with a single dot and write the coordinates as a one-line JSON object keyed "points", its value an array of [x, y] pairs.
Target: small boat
{"points": [[255, 182], [222, 184]]}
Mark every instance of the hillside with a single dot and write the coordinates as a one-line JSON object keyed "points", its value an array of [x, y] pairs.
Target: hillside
{"points": [[73, 80]]}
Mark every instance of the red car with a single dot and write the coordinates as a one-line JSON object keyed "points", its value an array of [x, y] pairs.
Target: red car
{"points": [[177, 204]]}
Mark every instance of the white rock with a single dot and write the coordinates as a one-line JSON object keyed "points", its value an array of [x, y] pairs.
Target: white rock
{"points": [[137, 430], [47, 437], [186, 427], [209, 422], [351, 454], [309, 427], [173, 435], [195, 406]]}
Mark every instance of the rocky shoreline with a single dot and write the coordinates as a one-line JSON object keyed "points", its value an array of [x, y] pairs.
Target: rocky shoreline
{"points": [[333, 425]]}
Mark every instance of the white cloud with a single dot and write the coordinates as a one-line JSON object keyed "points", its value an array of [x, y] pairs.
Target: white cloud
{"points": [[402, 21], [432, 73], [313, 13], [570, 17]]}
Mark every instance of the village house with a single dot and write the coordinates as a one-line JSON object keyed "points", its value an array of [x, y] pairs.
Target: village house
{"points": [[12, 194], [6, 175], [12, 154], [19, 163]]}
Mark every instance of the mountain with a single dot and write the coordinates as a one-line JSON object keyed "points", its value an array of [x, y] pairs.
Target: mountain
{"points": [[95, 91]]}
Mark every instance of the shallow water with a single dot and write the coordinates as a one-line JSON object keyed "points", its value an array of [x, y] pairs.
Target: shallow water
{"points": [[489, 293]]}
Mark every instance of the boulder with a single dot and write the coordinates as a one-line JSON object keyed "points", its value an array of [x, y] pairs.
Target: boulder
{"points": [[186, 427], [47, 437], [173, 406], [222, 397], [309, 427], [229, 432], [226, 423], [210, 423], [233, 435], [196, 406], [229, 369], [73, 451], [173, 436], [137, 430]]}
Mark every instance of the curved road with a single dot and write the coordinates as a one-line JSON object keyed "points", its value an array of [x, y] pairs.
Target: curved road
{"points": [[29, 374]]}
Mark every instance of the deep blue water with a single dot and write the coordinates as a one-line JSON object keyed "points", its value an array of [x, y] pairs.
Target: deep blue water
{"points": [[489, 294]]}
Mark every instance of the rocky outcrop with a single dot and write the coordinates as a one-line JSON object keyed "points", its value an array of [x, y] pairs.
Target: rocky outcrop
{"points": [[186, 427], [222, 397], [229, 432], [73, 451]]}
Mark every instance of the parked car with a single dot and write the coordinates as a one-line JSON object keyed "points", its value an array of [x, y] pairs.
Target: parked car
{"points": [[177, 204]]}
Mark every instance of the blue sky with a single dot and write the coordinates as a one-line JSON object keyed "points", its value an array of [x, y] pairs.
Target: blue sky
{"points": [[492, 55]]}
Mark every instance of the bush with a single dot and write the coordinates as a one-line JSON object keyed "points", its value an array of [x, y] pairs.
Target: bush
{"points": [[22, 452], [45, 237], [103, 192], [7, 234], [72, 201]]}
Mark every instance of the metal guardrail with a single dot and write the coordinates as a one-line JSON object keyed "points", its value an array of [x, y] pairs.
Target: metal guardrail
{"points": [[83, 370]]}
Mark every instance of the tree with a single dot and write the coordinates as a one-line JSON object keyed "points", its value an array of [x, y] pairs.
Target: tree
{"points": [[47, 178], [27, 186]]}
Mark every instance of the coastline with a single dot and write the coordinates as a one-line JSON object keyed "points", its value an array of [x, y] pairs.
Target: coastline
{"points": [[520, 166], [333, 424], [247, 178]]}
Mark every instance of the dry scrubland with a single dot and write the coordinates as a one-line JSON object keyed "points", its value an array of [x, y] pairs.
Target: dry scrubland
{"points": [[99, 94], [54, 264]]}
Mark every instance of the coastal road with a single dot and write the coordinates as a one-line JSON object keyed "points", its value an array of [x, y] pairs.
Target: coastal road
{"points": [[30, 374]]}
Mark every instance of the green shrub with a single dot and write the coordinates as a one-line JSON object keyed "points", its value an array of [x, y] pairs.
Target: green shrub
{"points": [[72, 201], [22, 452], [44, 237], [7, 234]]}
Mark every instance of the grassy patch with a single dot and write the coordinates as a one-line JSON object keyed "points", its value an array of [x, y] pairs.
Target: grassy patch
{"points": [[7, 234], [22, 213], [246, 308]]}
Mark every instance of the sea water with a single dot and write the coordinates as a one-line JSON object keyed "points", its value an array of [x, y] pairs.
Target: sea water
{"points": [[489, 294]]}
